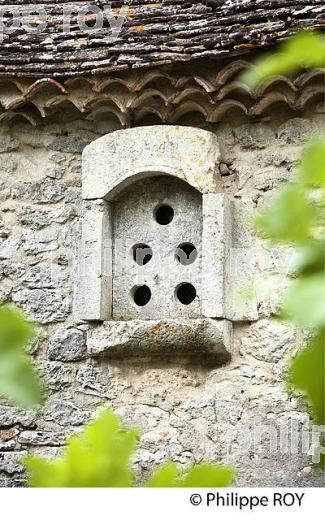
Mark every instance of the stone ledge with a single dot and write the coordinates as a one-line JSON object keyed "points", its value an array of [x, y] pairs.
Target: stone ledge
{"points": [[206, 340]]}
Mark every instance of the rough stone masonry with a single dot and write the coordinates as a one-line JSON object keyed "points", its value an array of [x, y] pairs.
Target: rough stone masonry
{"points": [[187, 413]]}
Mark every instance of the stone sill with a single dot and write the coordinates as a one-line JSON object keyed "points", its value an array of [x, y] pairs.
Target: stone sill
{"points": [[206, 340]]}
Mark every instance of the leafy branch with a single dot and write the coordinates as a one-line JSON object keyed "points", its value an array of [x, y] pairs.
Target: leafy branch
{"points": [[296, 217], [19, 382], [305, 50]]}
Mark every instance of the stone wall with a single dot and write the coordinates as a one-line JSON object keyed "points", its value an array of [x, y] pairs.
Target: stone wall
{"points": [[186, 414]]}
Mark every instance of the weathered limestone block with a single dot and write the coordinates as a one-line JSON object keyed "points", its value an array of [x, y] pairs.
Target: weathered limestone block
{"points": [[65, 413], [91, 379], [45, 240], [8, 165], [57, 376], [14, 271], [8, 143], [41, 438], [43, 305], [267, 340], [72, 195], [67, 345], [278, 156], [39, 277], [36, 218], [5, 192], [10, 462], [5, 294], [296, 131], [48, 191], [264, 179], [58, 157], [10, 416], [254, 136], [9, 247], [55, 171], [11, 481], [68, 144], [8, 439]]}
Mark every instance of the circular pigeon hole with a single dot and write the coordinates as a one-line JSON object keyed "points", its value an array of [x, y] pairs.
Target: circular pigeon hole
{"points": [[164, 214], [142, 254], [186, 293], [186, 254], [141, 295]]}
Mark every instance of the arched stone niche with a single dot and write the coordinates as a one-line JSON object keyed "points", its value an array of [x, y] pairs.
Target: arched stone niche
{"points": [[115, 160], [154, 245]]}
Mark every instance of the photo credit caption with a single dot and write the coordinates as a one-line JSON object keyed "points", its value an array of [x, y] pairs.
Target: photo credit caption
{"points": [[247, 502]]}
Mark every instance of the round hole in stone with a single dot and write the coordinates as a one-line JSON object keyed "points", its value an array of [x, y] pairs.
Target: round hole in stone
{"points": [[186, 254], [164, 214], [141, 295], [142, 254], [186, 293]]}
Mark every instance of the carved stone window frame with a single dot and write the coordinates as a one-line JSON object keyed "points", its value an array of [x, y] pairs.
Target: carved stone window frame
{"points": [[109, 165]]}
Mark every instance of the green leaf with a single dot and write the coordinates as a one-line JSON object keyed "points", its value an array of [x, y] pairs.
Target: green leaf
{"points": [[200, 476], [312, 170], [310, 258], [208, 475], [305, 302], [41, 475], [290, 218], [164, 477], [305, 50], [307, 376], [19, 382], [99, 457]]}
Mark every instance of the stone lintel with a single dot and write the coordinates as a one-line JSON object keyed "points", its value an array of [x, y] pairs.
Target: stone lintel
{"points": [[114, 161]]}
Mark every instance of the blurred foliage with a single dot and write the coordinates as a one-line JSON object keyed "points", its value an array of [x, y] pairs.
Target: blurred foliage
{"points": [[101, 457], [19, 382], [307, 374], [296, 217], [305, 50], [199, 476]]}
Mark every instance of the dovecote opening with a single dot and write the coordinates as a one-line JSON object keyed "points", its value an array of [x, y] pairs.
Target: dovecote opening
{"points": [[154, 244]]}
